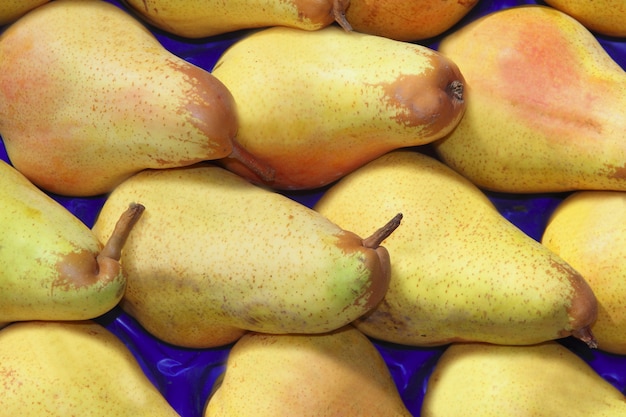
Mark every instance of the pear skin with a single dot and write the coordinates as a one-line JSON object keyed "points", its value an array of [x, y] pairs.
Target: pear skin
{"points": [[202, 18], [606, 17], [546, 105], [317, 105], [222, 256], [52, 266], [543, 380], [406, 20], [73, 369], [460, 271], [88, 96], [11, 10], [588, 230], [340, 373]]}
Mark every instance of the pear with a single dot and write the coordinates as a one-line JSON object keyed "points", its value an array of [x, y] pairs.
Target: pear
{"points": [[221, 256], [406, 20], [317, 105], [340, 373], [88, 96], [546, 105], [73, 369], [460, 271], [543, 380], [11, 10], [202, 18], [588, 230], [52, 266], [606, 17]]}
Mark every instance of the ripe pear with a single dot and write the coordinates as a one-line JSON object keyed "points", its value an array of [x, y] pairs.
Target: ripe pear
{"points": [[11, 10], [543, 380], [317, 105], [221, 256], [460, 271], [52, 267], [406, 20], [202, 18], [546, 105], [73, 369], [88, 96], [340, 373], [588, 230], [606, 17]]}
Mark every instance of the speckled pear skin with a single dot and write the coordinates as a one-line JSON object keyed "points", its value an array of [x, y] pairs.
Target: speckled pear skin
{"points": [[606, 17], [541, 380], [86, 79], [334, 374], [460, 271], [317, 105], [52, 267], [73, 368], [202, 18], [220, 256], [588, 230], [546, 105], [11, 10]]}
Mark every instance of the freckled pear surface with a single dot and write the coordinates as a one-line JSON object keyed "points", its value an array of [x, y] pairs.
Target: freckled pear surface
{"points": [[334, 100], [86, 79], [220, 254], [555, 102], [43, 247], [58, 369], [459, 271]]}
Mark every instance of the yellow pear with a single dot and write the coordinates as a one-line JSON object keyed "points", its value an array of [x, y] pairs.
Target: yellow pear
{"points": [[52, 267], [460, 271], [546, 105], [73, 369], [316, 105], [221, 256], [11, 10], [340, 373], [88, 96], [607, 17], [543, 380], [588, 230], [406, 20], [202, 18]]}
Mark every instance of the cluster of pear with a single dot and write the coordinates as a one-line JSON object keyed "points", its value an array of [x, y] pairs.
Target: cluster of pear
{"points": [[198, 242]]}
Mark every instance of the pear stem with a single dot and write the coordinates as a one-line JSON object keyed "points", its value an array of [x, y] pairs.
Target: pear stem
{"points": [[586, 336], [339, 13], [381, 234], [264, 171], [113, 247]]}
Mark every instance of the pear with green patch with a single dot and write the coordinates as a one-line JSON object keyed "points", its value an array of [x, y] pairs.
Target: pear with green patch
{"points": [[222, 256], [460, 271], [52, 267]]}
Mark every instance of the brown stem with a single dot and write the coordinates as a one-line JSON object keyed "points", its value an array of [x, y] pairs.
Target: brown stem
{"points": [[339, 13], [381, 234], [113, 248], [264, 171], [586, 336]]}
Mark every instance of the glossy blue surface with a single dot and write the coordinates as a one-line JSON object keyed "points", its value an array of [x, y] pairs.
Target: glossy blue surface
{"points": [[186, 376]]}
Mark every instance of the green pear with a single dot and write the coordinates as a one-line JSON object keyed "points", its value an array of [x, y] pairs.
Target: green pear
{"points": [[588, 230], [317, 105], [546, 105], [221, 256], [88, 96], [11, 10], [73, 369], [543, 380], [202, 18], [52, 266], [606, 17], [460, 271], [340, 373]]}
